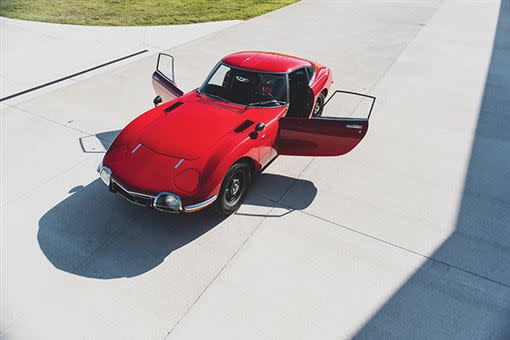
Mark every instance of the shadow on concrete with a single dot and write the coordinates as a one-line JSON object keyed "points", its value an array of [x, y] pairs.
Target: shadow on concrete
{"points": [[99, 142], [94, 233], [464, 291]]}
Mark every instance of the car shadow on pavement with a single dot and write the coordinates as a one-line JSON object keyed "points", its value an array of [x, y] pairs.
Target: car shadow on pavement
{"points": [[96, 234]]}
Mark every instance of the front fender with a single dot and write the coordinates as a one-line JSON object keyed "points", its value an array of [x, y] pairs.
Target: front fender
{"points": [[230, 149]]}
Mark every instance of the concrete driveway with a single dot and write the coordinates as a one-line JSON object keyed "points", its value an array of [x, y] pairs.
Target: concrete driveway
{"points": [[35, 53], [406, 237]]}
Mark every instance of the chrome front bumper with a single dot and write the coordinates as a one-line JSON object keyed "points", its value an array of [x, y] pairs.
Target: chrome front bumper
{"points": [[149, 200]]}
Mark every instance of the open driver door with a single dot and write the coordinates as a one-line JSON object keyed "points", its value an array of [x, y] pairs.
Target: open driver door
{"points": [[336, 132], [163, 79]]}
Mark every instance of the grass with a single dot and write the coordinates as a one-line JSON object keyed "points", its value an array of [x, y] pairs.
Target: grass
{"points": [[136, 12]]}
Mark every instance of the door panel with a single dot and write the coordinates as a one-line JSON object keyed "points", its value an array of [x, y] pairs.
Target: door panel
{"points": [[267, 149], [320, 136], [163, 79], [327, 136]]}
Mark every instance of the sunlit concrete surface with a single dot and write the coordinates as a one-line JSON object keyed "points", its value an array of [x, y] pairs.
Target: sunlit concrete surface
{"points": [[34, 53], [406, 237]]}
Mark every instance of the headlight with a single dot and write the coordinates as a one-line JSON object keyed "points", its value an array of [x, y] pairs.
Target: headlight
{"points": [[106, 175], [187, 180]]}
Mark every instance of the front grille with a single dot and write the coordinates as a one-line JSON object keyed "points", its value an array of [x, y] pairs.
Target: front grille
{"points": [[146, 201]]}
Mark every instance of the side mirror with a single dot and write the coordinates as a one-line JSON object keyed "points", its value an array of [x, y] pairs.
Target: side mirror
{"points": [[157, 100], [260, 127]]}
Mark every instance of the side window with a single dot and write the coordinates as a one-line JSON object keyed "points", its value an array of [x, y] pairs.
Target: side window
{"points": [[219, 76], [165, 66], [310, 72]]}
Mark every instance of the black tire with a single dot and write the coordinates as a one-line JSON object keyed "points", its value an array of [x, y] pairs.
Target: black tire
{"points": [[319, 105], [233, 188]]}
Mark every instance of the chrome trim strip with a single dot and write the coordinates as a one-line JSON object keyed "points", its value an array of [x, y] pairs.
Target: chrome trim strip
{"points": [[178, 163], [136, 148], [131, 192], [338, 118], [107, 171], [132, 202], [187, 209], [201, 205]]}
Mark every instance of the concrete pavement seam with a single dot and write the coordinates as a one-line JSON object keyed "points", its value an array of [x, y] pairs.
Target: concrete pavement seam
{"points": [[234, 254], [359, 232], [374, 85], [49, 120]]}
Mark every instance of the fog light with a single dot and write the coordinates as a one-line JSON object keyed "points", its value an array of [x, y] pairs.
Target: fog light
{"points": [[106, 175], [171, 201], [168, 202]]}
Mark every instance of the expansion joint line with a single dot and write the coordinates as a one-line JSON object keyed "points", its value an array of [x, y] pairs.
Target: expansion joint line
{"points": [[276, 204]]}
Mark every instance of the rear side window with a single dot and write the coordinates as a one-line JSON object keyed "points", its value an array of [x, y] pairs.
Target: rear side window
{"points": [[310, 72]]}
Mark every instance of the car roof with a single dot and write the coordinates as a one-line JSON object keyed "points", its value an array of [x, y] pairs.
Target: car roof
{"points": [[265, 61]]}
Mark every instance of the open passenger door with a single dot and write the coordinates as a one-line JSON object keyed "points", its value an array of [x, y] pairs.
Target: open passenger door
{"points": [[328, 134], [163, 79]]}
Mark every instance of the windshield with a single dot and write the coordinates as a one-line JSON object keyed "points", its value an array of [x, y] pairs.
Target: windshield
{"points": [[245, 87]]}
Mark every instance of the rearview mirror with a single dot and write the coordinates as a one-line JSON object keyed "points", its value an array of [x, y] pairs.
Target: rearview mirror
{"points": [[259, 127], [157, 100]]}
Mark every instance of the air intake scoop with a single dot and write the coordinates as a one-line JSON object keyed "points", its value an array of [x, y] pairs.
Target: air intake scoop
{"points": [[173, 106]]}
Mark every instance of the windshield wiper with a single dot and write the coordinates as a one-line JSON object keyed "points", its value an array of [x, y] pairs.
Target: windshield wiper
{"points": [[267, 102]]}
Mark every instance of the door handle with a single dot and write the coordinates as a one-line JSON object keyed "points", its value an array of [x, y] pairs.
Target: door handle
{"points": [[354, 126]]}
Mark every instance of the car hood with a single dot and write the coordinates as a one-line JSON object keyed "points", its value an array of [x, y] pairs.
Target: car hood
{"points": [[189, 127]]}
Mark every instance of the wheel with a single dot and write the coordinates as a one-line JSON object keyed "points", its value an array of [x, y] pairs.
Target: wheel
{"points": [[319, 105], [233, 188]]}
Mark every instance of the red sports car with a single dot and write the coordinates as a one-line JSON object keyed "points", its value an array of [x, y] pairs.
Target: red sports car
{"points": [[204, 147]]}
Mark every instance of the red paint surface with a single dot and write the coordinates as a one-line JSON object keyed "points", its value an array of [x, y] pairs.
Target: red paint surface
{"points": [[319, 137], [265, 61], [201, 131]]}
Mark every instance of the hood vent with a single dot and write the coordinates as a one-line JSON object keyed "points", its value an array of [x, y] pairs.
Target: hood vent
{"points": [[246, 124], [173, 106]]}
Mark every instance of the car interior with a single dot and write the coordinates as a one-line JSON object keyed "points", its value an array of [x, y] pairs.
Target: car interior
{"points": [[301, 96], [245, 87]]}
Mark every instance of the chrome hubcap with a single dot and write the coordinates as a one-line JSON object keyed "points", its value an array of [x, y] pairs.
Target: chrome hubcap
{"points": [[317, 108], [235, 186]]}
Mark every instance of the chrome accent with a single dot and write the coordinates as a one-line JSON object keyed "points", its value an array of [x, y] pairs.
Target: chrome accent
{"points": [[161, 194], [178, 163], [136, 148], [236, 185], [341, 118], [131, 192], [106, 175], [187, 209], [201, 205], [316, 108], [354, 126]]}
